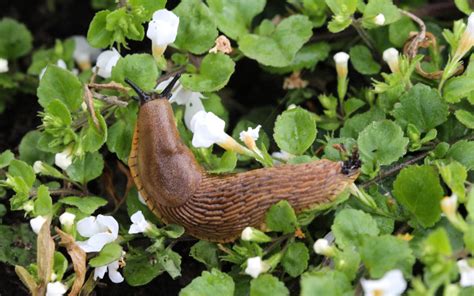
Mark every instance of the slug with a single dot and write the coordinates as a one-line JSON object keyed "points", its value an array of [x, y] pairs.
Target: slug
{"points": [[218, 207]]}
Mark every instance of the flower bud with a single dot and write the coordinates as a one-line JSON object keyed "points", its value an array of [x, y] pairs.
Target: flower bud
{"points": [[379, 19], [36, 223], [255, 266], [341, 58], [390, 56], [322, 247], [467, 39], [67, 219], [3, 65], [255, 235], [38, 167], [449, 205]]}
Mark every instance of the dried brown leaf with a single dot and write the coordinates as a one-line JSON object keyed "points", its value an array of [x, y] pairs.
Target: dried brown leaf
{"points": [[26, 278], [45, 256]]}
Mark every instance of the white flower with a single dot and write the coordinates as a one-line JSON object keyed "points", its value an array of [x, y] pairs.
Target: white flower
{"points": [[112, 268], [36, 223], [37, 166], [3, 65], [208, 129], [106, 61], [341, 58], [390, 56], [379, 19], [140, 224], [249, 137], [255, 266], [181, 96], [321, 246], [255, 235], [100, 231], [467, 273], [162, 30], [55, 289], [83, 53], [67, 219], [247, 233], [60, 63], [467, 39], [391, 284], [63, 159], [449, 205]]}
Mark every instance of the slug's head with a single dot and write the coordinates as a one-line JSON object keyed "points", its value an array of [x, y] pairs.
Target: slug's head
{"points": [[145, 97], [352, 164]]}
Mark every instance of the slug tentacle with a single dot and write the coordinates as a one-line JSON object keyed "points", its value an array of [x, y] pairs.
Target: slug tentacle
{"points": [[218, 207]]}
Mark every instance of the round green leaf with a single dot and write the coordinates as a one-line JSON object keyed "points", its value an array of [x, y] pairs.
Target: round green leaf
{"points": [[295, 259], [351, 226], [139, 68], [267, 284], [295, 131], [86, 168], [15, 39], [97, 35], [362, 60], [110, 253], [210, 283]]}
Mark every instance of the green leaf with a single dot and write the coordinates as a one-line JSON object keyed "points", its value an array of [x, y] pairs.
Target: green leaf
{"points": [[141, 269], [214, 73], [43, 202], [206, 253], [362, 60], [15, 39], [86, 204], [197, 29], [351, 226], [348, 262], [224, 164], [58, 83], [295, 259], [399, 31], [354, 125], [150, 6], [342, 7], [384, 253], [22, 170], [139, 68], [421, 106], [60, 265], [6, 158], [417, 188], [325, 282], [295, 131], [454, 175], [267, 284], [92, 138], [464, 6], [120, 134], [210, 283], [97, 35], [381, 143], [374, 7], [462, 151], [281, 217], [279, 48], [339, 22], [29, 151], [86, 168], [110, 253], [465, 117], [125, 24], [234, 18], [306, 58], [17, 244], [171, 262]]}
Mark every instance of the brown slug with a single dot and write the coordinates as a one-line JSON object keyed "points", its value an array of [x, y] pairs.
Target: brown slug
{"points": [[218, 207]]}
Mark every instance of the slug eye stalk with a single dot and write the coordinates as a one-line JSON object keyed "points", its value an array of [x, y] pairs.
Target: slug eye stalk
{"points": [[142, 95], [145, 97]]}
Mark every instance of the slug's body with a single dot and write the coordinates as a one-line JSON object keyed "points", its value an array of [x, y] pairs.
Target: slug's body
{"points": [[217, 207]]}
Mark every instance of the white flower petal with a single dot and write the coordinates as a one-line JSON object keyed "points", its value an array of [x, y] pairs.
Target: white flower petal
{"points": [[140, 224], [108, 224], [37, 166], [193, 106], [341, 58], [83, 52], [379, 19], [55, 289], [3, 65], [99, 272], [114, 275], [37, 223], [321, 246], [250, 132], [467, 273], [88, 226], [67, 219], [255, 266], [208, 129], [392, 284], [63, 159], [162, 30], [106, 61]]}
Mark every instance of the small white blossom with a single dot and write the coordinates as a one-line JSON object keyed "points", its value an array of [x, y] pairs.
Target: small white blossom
{"points": [[3, 65], [162, 30], [140, 224], [391, 284], [84, 54], [208, 129], [106, 61], [55, 289], [250, 133], [321, 246], [60, 63], [379, 19], [449, 205], [36, 223], [467, 39], [63, 159], [100, 230], [467, 273], [67, 219], [390, 56], [255, 266], [37, 166], [341, 59], [181, 96], [112, 268], [255, 235]]}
